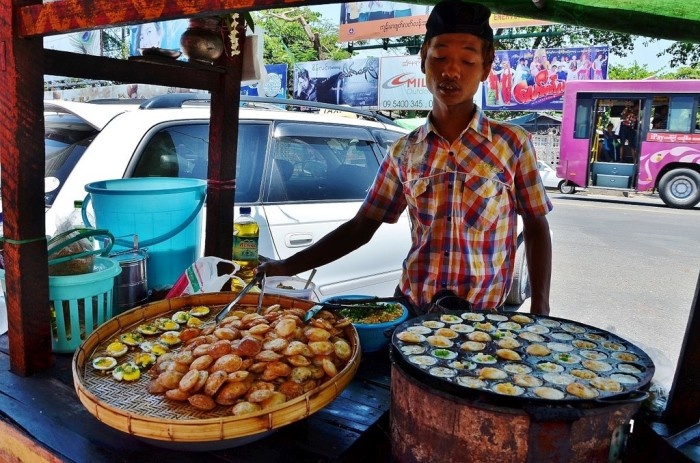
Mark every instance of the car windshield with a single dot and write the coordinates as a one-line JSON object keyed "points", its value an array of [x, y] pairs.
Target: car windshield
{"points": [[66, 137]]}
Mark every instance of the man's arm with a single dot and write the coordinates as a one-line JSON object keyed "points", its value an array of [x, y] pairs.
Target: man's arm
{"points": [[538, 251], [341, 241]]}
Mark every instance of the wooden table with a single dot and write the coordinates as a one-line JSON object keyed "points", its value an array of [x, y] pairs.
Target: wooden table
{"points": [[354, 427]]}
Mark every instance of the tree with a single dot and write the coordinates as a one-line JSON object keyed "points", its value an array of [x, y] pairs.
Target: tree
{"points": [[294, 35]]}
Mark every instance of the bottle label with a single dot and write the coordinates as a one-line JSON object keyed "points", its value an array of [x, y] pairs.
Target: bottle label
{"points": [[245, 248]]}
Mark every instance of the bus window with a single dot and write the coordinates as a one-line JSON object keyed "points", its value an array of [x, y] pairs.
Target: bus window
{"points": [[583, 116], [680, 113], [659, 113], [697, 117]]}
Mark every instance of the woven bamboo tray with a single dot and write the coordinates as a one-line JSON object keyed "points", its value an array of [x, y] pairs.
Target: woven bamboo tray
{"points": [[130, 408]]}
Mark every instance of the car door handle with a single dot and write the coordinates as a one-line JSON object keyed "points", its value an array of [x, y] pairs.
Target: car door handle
{"points": [[297, 240]]}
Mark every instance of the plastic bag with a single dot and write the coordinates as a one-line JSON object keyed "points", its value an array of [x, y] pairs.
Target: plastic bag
{"points": [[72, 252], [202, 277], [65, 231]]}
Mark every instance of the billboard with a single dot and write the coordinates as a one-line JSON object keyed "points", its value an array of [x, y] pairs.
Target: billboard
{"points": [[350, 82], [376, 20], [162, 34], [402, 84], [534, 80], [274, 86]]}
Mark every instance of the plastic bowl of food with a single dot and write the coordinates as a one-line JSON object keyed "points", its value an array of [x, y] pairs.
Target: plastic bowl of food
{"points": [[374, 326], [289, 286]]}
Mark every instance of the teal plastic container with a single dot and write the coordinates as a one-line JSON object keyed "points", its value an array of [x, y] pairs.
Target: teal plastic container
{"points": [[165, 213], [79, 303]]}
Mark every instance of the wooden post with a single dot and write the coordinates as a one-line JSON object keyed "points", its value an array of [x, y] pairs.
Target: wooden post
{"points": [[22, 158], [223, 147]]}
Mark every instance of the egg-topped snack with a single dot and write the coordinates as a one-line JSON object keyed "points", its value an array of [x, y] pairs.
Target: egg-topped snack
{"points": [[128, 371], [519, 318], [478, 336], [199, 311], [181, 317], [170, 338], [167, 324], [439, 341], [144, 359], [410, 336], [514, 354], [116, 349], [508, 389], [131, 338], [508, 354], [447, 318], [104, 363], [148, 329], [446, 332], [155, 348], [194, 322]]}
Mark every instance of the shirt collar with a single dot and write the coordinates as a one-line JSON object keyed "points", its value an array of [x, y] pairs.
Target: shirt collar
{"points": [[479, 124]]}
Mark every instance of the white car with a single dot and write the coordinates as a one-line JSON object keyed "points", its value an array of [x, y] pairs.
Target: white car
{"points": [[302, 173], [550, 179]]}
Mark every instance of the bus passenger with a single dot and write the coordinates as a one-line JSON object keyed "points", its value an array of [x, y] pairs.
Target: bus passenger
{"points": [[628, 130], [610, 143]]}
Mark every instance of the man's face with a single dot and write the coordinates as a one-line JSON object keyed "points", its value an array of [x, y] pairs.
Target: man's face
{"points": [[454, 67], [303, 83]]}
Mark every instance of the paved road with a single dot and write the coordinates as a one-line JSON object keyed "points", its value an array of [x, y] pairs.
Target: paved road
{"points": [[627, 265]]}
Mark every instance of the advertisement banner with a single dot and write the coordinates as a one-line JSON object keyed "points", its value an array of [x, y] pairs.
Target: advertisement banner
{"points": [[350, 82], [162, 34], [275, 85], [534, 80], [402, 84], [377, 20]]}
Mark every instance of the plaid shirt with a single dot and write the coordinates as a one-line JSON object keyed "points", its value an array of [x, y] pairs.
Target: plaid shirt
{"points": [[463, 200]]}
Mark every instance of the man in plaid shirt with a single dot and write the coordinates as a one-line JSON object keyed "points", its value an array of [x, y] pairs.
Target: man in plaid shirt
{"points": [[464, 179]]}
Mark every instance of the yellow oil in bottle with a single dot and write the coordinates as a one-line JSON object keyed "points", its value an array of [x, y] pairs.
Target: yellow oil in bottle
{"points": [[245, 245]]}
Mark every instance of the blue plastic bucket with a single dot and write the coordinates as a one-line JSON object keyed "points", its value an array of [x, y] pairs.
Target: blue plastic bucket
{"points": [[165, 213]]}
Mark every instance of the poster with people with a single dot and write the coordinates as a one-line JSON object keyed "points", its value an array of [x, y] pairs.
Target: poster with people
{"points": [[534, 80], [350, 82], [162, 34], [274, 86]]}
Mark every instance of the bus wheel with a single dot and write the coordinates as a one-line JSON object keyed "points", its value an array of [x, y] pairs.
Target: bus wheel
{"points": [[566, 189], [680, 188], [521, 279]]}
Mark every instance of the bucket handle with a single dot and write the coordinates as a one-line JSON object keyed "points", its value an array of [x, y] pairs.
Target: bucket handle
{"points": [[157, 239], [80, 233]]}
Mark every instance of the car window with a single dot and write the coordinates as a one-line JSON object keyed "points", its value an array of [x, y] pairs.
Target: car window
{"points": [[386, 138], [182, 150], [335, 166], [66, 137]]}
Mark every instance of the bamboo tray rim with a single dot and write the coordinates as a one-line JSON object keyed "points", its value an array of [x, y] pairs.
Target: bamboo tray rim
{"points": [[197, 430]]}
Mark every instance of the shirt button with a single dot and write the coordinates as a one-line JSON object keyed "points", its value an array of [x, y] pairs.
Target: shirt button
{"points": [[449, 218], [444, 284], [451, 153], [447, 253]]}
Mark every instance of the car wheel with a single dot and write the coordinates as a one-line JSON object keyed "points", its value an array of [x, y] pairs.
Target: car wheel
{"points": [[521, 279], [566, 188], [680, 188]]}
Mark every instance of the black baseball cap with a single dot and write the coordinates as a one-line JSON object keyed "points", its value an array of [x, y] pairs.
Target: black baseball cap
{"points": [[455, 16]]}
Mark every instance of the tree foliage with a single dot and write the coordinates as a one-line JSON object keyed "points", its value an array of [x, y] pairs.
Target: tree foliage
{"points": [[295, 35]]}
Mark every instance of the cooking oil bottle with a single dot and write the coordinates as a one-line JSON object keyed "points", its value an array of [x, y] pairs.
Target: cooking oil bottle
{"points": [[245, 245]]}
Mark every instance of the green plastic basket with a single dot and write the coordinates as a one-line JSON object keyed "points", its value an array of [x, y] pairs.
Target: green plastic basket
{"points": [[79, 303]]}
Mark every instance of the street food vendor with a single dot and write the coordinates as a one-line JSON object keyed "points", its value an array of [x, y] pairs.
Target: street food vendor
{"points": [[464, 179]]}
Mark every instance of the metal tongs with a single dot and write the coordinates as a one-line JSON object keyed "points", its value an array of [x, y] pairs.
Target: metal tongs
{"points": [[259, 277]]}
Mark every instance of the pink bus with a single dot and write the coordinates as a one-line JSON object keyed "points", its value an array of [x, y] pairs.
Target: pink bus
{"points": [[635, 135]]}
